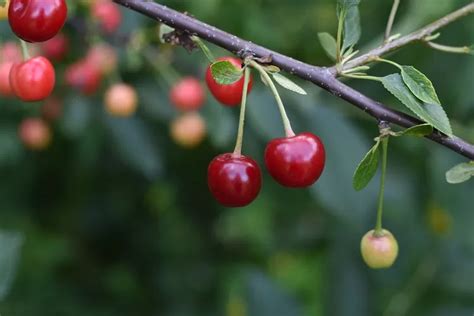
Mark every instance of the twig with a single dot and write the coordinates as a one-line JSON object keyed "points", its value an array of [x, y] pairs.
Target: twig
{"points": [[416, 36], [323, 77], [451, 49], [391, 19]]}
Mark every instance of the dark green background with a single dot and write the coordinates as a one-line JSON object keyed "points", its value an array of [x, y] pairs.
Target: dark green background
{"points": [[116, 219]]}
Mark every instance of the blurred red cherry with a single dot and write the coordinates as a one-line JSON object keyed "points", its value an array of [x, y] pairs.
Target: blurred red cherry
{"points": [[108, 14], [83, 76], [34, 133], [56, 48]]}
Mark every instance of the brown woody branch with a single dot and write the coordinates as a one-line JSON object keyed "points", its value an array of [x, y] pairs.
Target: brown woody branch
{"points": [[323, 77]]}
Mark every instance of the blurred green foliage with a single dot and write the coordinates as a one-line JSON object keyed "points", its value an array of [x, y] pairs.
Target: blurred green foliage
{"points": [[116, 219]]}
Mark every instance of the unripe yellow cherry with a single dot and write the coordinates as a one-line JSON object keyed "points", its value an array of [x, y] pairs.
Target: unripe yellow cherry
{"points": [[379, 251]]}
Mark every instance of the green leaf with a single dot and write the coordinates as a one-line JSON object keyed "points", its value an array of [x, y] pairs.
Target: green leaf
{"points": [[460, 173], [431, 113], [224, 72], [418, 130], [367, 168], [288, 84], [420, 85], [164, 29], [2, 3], [352, 29], [328, 42]]}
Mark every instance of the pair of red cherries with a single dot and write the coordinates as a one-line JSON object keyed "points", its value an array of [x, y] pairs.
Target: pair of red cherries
{"points": [[35, 21], [235, 180]]}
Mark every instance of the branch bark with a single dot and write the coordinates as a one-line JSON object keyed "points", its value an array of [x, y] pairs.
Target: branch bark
{"points": [[321, 76]]}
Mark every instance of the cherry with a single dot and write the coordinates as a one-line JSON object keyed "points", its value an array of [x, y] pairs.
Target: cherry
{"points": [[188, 130], [108, 14], [234, 180], [121, 100], [230, 94], [56, 48], [4, 10], [187, 94], [34, 133], [5, 87], [33, 79], [296, 161], [379, 252], [37, 20], [103, 57], [83, 76]]}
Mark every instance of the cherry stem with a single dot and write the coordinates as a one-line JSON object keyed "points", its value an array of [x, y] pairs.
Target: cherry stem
{"points": [[286, 121], [207, 52], [24, 49], [378, 226], [240, 132]]}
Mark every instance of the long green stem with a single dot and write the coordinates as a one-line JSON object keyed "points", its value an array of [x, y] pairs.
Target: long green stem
{"points": [[389, 62], [451, 49], [25, 51], [240, 132], [391, 19], [365, 77], [378, 225], [286, 121]]}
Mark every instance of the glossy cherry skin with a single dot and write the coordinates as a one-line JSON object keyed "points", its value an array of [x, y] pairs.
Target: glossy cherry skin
{"points": [[230, 94], [297, 161], [234, 180], [379, 252], [37, 20], [187, 94], [32, 80]]}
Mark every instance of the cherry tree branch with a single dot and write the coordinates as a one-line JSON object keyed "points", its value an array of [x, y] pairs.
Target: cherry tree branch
{"points": [[321, 76]]}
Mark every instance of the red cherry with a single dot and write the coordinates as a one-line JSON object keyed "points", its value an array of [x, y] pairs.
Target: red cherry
{"points": [[83, 76], [5, 87], [56, 48], [37, 20], [234, 180], [34, 133], [108, 14], [32, 80], [187, 94], [230, 94], [296, 161], [103, 57]]}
